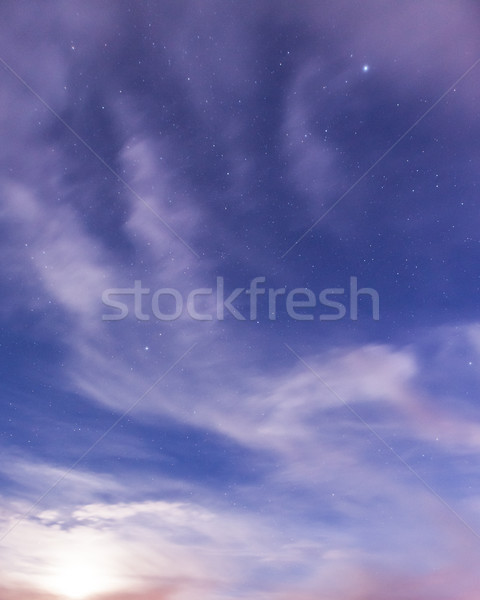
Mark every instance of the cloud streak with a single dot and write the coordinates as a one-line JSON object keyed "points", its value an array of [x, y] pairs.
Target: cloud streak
{"points": [[240, 474]]}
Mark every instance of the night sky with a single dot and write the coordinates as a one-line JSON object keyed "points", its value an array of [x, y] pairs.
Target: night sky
{"points": [[158, 157]]}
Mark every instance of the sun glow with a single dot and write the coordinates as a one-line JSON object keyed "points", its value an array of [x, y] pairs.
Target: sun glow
{"points": [[78, 580], [87, 567]]}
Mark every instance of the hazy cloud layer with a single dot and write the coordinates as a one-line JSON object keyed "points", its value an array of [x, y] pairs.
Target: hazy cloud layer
{"points": [[242, 471]]}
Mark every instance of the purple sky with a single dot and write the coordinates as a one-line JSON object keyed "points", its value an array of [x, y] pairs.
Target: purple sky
{"points": [[175, 143]]}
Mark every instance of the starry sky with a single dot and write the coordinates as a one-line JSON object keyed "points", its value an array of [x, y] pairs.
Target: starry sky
{"points": [[179, 144]]}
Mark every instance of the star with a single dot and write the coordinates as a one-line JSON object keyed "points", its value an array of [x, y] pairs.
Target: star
{"points": [[365, 68]]}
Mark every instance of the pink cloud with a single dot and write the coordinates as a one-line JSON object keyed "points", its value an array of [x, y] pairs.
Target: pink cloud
{"points": [[444, 583], [14, 593]]}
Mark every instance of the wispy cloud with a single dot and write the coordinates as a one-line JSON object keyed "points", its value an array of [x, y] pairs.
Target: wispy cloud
{"points": [[240, 474]]}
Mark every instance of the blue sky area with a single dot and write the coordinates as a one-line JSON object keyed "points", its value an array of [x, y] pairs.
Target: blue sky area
{"points": [[184, 453]]}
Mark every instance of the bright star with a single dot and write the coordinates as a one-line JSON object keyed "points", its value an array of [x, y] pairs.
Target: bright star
{"points": [[365, 68]]}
